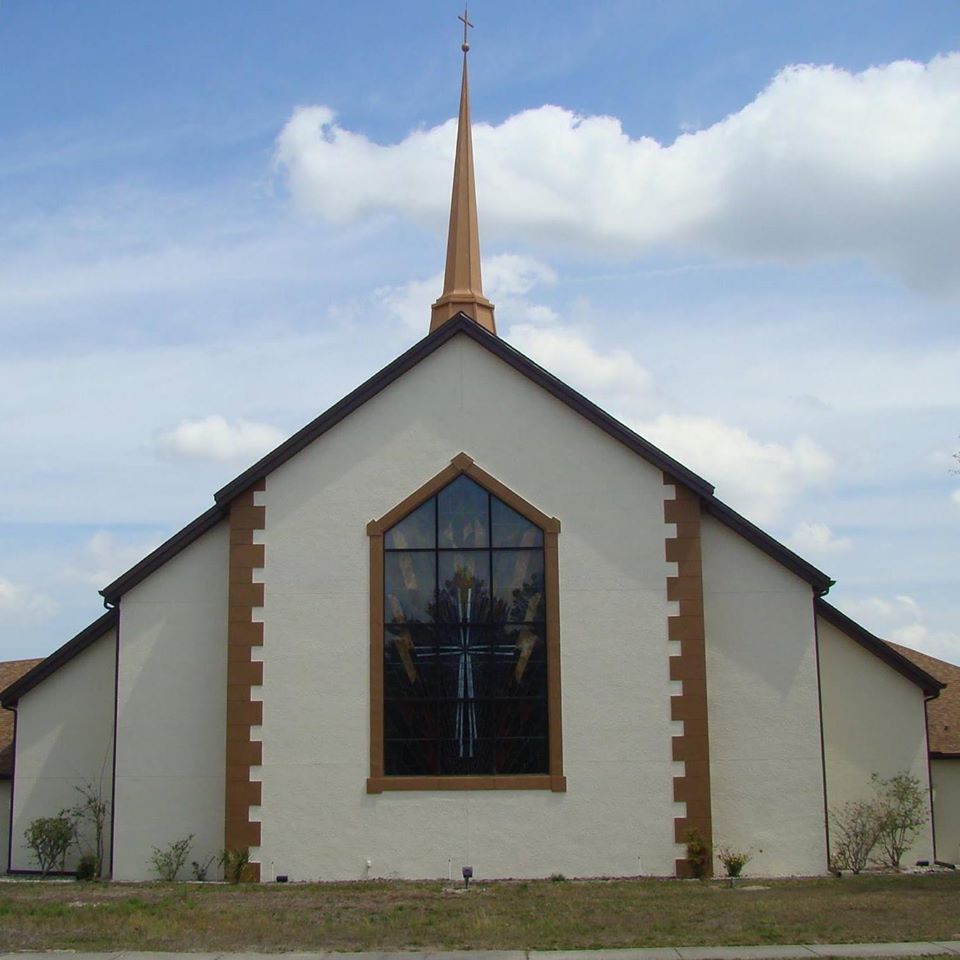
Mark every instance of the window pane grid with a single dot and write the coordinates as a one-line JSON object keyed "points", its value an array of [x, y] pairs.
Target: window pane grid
{"points": [[467, 692]]}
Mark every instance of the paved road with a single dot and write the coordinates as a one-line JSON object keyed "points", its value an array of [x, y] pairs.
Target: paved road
{"points": [[799, 951]]}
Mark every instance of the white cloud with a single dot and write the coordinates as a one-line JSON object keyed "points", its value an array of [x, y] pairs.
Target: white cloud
{"points": [[21, 604], [757, 477], [507, 279], [902, 620], [104, 558], [613, 375], [955, 496], [822, 163], [213, 438], [817, 538]]}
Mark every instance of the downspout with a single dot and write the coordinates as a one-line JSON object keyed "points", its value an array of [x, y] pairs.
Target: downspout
{"points": [[926, 744], [823, 749], [116, 718], [13, 781]]}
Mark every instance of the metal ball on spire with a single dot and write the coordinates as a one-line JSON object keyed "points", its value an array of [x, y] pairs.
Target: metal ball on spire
{"points": [[465, 46]]}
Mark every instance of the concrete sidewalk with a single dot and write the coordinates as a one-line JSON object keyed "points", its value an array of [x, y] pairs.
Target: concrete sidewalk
{"points": [[801, 951]]}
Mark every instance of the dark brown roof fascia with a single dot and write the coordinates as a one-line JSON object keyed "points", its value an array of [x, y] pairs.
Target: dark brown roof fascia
{"points": [[422, 349], [773, 548], [940, 755], [162, 554], [511, 356], [11, 695], [930, 685]]}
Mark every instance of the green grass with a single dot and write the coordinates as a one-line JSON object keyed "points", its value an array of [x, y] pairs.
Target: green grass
{"points": [[518, 915]]}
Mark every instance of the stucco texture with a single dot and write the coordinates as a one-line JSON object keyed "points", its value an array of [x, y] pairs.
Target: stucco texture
{"points": [[64, 741], [874, 722], [946, 807], [171, 708], [616, 817], [766, 769]]}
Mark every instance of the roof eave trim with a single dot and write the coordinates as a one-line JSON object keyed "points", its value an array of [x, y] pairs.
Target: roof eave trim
{"points": [[820, 581], [168, 549], [880, 648], [422, 349], [10, 696]]}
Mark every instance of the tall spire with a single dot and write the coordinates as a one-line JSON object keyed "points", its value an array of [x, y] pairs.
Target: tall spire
{"points": [[462, 284]]}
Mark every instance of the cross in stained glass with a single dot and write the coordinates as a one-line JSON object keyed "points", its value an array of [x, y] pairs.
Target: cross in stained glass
{"points": [[462, 646]]}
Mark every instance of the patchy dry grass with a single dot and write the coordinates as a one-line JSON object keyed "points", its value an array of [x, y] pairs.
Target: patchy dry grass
{"points": [[521, 915]]}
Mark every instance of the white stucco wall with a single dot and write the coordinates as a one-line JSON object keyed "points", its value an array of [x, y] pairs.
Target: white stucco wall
{"points": [[4, 823], [172, 708], [64, 740], [765, 759], [873, 721], [616, 817], [946, 808]]}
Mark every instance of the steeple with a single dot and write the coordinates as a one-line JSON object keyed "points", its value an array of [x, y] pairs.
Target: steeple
{"points": [[462, 284]]}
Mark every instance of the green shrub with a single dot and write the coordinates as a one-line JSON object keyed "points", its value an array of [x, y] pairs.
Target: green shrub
{"points": [[698, 854], [234, 863], [168, 863], [902, 809], [856, 827], [733, 860], [49, 838], [88, 867]]}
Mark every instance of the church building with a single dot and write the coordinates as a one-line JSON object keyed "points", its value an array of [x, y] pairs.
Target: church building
{"points": [[466, 617]]}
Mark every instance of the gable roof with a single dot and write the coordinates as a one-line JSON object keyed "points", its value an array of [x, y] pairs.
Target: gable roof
{"points": [[943, 714], [10, 671], [930, 685], [462, 325], [11, 693]]}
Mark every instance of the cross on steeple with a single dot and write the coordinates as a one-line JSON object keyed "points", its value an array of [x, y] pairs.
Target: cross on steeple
{"points": [[466, 24]]}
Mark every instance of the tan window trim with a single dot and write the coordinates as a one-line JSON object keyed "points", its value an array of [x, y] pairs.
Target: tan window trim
{"points": [[554, 780]]}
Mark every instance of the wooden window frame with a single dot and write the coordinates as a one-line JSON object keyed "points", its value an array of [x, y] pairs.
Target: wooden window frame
{"points": [[378, 782]]}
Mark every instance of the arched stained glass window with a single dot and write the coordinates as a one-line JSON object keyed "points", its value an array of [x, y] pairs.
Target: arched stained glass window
{"points": [[468, 691]]}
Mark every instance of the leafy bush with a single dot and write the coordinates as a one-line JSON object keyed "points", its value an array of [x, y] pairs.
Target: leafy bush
{"points": [[49, 838], [901, 809], [856, 828], [234, 863], [891, 820], [168, 863], [733, 860], [88, 867], [698, 854]]}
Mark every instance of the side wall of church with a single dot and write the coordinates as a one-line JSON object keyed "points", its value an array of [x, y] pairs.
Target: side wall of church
{"points": [[64, 741], [873, 722], [617, 814], [172, 692], [766, 769], [946, 807]]}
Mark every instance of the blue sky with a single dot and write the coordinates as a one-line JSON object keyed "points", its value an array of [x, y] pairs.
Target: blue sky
{"points": [[734, 225]]}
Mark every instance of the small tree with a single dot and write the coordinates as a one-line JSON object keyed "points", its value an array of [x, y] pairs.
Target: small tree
{"points": [[49, 838], [856, 827], [901, 810], [234, 863], [91, 811]]}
